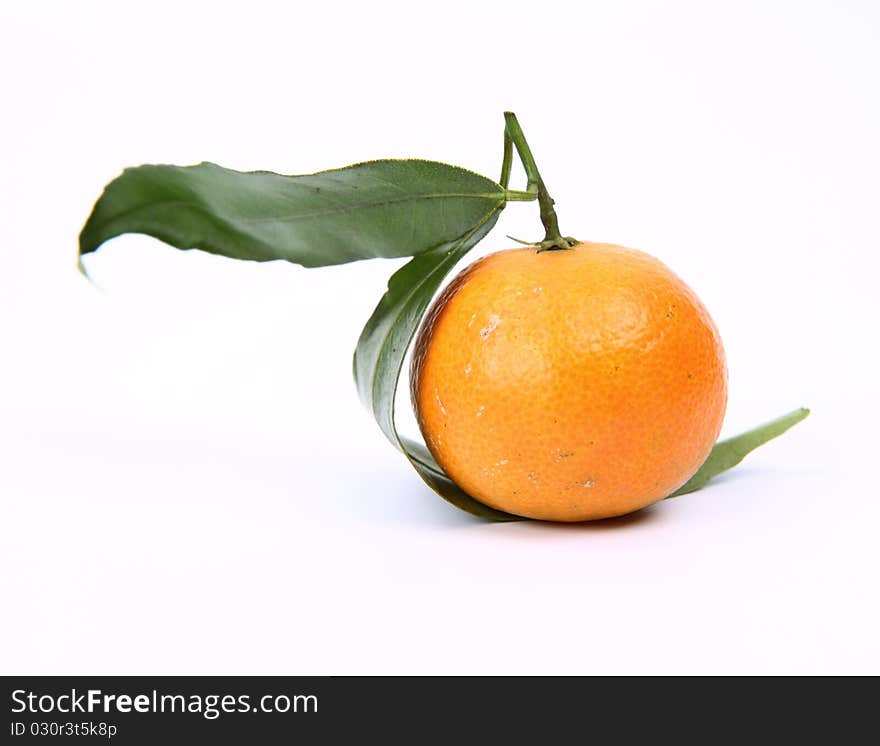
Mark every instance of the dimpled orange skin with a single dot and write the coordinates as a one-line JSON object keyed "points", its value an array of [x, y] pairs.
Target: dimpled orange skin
{"points": [[569, 385]]}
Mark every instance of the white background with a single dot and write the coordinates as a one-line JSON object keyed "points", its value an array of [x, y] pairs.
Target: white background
{"points": [[188, 483]]}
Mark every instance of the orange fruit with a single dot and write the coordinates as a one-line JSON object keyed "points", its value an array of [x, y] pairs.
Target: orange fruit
{"points": [[569, 385]]}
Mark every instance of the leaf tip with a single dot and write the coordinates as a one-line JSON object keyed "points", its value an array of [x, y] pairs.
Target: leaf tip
{"points": [[82, 267], [83, 270], [799, 415]]}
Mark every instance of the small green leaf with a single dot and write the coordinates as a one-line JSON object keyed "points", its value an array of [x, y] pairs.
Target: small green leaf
{"points": [[728, 453], [381, 349], [387, 208]]}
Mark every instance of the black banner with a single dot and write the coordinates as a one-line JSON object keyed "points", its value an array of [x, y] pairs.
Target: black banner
{"points": [[260, 710]]}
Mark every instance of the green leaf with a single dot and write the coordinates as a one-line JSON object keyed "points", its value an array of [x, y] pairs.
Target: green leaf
{"points": [[381, 349], [728, 453], [387, 208], [431, 211]]}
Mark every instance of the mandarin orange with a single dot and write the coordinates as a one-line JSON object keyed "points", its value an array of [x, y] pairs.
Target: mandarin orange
{"points": [[569, 385]]}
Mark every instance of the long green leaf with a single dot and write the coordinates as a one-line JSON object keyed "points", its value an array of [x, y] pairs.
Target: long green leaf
{"points": [[381, 349], [728, 453], [387, 208]]}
